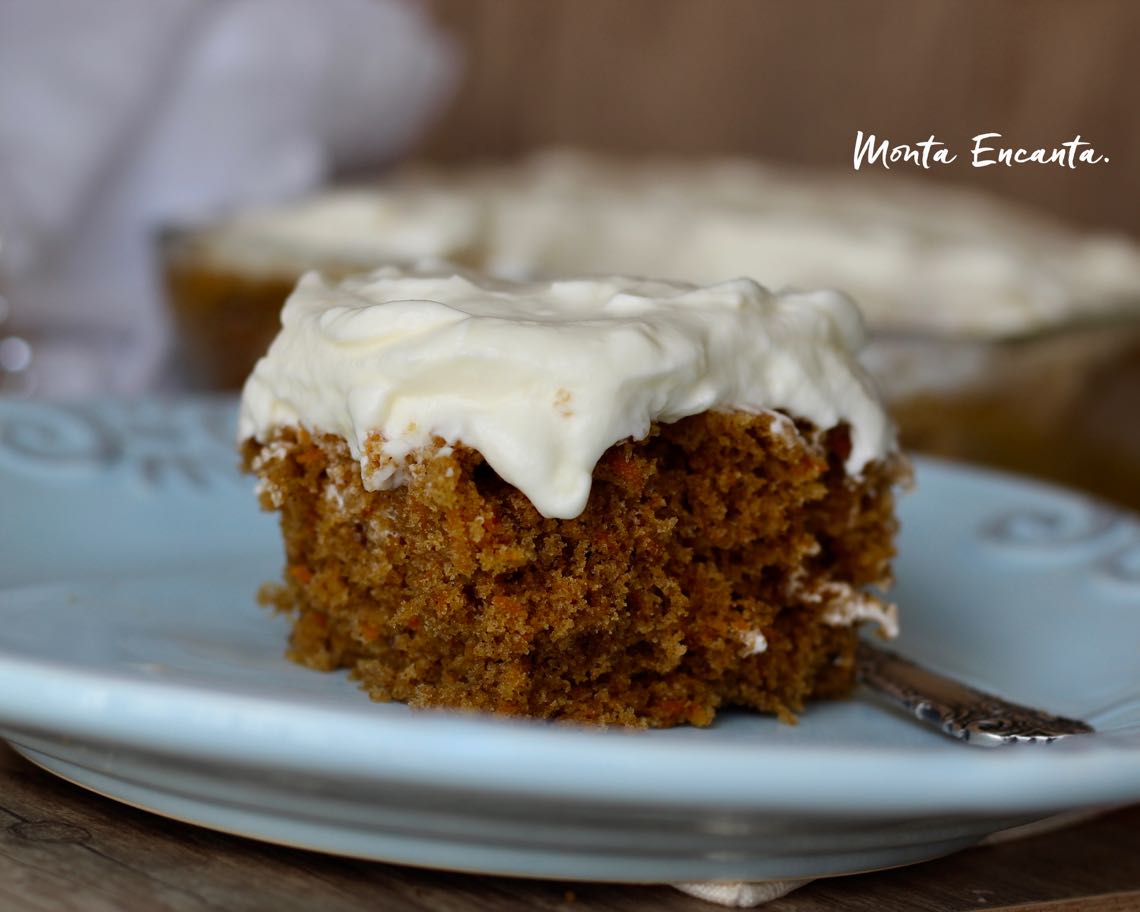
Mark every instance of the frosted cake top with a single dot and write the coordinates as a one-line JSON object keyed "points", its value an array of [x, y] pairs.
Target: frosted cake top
{"points": [[542, 378]]}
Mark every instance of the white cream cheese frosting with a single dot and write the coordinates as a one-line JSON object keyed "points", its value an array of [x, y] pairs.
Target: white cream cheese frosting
{"points": [[844, 607], [542, 378]]}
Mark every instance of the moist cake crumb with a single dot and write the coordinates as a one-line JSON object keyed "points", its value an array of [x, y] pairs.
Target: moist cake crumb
{"points": [[715, 534]]}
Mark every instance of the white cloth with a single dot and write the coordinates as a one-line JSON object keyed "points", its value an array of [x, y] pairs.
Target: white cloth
{"points": [[122, 117], [747, 895], [738, 894]]}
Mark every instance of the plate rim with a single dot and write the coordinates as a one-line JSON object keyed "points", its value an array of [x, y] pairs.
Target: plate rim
{"points": [[824, 780]]}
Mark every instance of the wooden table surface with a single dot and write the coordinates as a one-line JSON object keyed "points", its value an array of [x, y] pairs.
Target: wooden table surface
{"points": [[63, 849]]}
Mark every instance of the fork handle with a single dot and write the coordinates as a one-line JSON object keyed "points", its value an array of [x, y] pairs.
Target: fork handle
{"points": [[970, 715]]}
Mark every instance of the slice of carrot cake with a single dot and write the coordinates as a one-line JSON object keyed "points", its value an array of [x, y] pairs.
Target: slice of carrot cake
{"points": [[610, 500]]}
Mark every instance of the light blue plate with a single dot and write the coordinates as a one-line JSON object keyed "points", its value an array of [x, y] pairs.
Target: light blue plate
{"points": [[134, 661]]}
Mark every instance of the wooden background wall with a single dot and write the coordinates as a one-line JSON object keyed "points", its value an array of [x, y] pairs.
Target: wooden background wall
{"points": [[794, 79]]}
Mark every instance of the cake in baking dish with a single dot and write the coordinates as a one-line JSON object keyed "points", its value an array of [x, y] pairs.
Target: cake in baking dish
{"points": [[606, 500]]}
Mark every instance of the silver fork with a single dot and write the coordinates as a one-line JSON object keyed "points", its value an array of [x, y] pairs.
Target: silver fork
{"points": [[970, 715]]}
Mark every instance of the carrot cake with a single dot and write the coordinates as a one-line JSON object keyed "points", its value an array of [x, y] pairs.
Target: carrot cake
{"points": [[607, 500]]}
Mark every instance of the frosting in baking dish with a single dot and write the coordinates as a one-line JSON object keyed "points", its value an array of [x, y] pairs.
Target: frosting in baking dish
{"points": [[354, 227], [542, 378], [916, 255]]}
